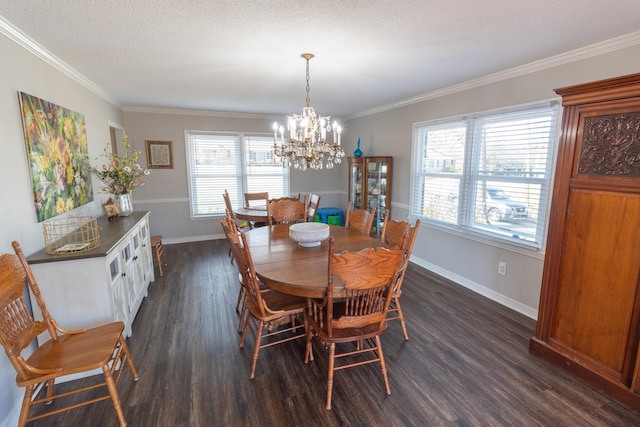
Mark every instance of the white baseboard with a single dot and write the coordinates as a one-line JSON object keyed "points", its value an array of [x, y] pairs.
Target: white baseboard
{"points": [[189, 239], [477, 288]]}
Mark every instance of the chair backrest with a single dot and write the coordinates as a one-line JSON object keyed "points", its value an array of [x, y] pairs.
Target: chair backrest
{"points": [[393, 232], [401, 234], [260, 199], [228, 225], [359, 219], [313, 202], [366, 279], [17, 327], [285, 210], [242, 255], [227, 201]]}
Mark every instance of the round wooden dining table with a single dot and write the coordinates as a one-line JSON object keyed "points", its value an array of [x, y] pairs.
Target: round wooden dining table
{"points": [[256, 214], [283, 265]]}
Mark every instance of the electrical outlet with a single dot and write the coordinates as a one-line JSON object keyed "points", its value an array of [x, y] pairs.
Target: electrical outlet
{"points": [[502, 268]]}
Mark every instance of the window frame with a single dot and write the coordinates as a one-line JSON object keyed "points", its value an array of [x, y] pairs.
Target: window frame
{"points": [[470, 177], [238, 180]]}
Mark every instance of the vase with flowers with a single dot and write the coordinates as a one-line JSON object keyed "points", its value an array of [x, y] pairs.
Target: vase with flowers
{"points": [[121, 175]]}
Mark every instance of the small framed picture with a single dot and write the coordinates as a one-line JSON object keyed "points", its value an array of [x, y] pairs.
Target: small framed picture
{"points": [[111, 209], [159, 155]]}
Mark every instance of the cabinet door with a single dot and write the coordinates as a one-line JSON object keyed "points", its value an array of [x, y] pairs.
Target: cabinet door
{"points": [[378, 171], [130, 269], [119, 304], [598, 278], [355, 182], [144, 255]]}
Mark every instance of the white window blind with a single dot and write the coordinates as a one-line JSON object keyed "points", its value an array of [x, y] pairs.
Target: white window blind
{"points": [[486, 173], [238, 163], [262, 171]]}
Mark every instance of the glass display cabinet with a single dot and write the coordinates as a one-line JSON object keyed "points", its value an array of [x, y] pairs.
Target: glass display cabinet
{"points": [[370, 186]]}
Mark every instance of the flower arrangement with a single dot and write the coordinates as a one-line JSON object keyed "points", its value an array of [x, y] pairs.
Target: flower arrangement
{"points": [[122, 174]]}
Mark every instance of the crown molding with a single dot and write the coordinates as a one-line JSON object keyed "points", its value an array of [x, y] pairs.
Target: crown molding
{"points": [[195, 112], [20, 38], [543, 64]]}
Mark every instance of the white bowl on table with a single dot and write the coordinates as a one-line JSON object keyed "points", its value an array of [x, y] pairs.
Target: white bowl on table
{"points": [[309, 234]]}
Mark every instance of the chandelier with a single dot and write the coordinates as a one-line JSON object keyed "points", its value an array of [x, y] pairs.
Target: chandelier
{"points": [[306, 146]]}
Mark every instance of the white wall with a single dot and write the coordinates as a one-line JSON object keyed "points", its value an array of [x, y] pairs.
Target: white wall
{"points": [[166, 195], [469, 262], [23, 71]]}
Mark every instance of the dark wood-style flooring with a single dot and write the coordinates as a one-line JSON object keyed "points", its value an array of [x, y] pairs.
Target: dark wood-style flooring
{"points": [[466, 364]]}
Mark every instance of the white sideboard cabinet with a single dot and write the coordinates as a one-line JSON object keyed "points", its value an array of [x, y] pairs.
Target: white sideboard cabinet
{"points": [[105, 284]]}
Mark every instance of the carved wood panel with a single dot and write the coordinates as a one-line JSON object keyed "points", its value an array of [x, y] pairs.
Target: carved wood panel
{"points": [[611, 145]]}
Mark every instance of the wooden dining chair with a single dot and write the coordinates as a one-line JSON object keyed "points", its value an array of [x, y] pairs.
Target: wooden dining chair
{"points": [[272, 317], [259, 200], [393, 233], [345, 327], [286, 210], [229, 213], [229, 227], [67, 352], [360, 220], [252, 200], [313, 202], [157, 249]]}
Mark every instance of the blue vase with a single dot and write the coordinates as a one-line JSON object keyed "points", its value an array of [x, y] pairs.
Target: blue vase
{"points": [[358, 152]]}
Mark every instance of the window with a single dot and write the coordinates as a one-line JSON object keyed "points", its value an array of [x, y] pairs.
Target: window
{"points": [[486, 173], [239, 163]]}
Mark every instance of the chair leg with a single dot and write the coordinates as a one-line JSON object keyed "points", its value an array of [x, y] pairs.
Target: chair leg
{"points": [[242, 307], [332, 357], [157, 251], [132, 366], [164, 257], [396, 300], [308, 354], [383, 366], [256, 350], [50, 385], [243, 315], [240, 295], [245, 329], [26, 405], [161, 257], [113, 392]]}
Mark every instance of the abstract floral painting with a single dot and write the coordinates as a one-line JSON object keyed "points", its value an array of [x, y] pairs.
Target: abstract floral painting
{"points": [[58, 155]]}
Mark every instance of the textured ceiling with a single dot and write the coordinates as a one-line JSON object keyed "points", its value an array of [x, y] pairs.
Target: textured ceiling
{"points": [[244, 56]]}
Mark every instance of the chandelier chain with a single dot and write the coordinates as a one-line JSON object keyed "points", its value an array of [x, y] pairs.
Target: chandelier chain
{"points": [[308, 86]]}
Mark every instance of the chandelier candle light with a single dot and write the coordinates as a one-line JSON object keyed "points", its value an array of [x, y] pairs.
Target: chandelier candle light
{"points": [[307, 146]]}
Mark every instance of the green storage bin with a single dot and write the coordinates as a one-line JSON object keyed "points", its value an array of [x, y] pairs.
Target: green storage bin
{"points": [[333, 220]]}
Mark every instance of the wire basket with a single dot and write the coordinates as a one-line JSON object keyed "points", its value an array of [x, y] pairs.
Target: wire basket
{"points": [[71, 234]]}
